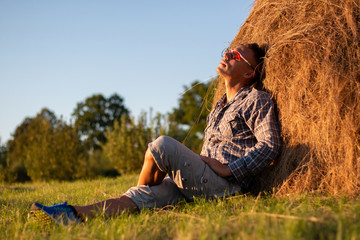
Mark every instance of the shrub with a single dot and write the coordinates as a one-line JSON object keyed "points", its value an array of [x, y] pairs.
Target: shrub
{"points": [[45, 148], [127, 144]]}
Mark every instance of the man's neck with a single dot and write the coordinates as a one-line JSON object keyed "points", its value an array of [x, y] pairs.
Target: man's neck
{"points": [[231, 90]]}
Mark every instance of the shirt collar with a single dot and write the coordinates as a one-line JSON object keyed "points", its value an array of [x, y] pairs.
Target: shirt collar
{"points": [[240, 94]]}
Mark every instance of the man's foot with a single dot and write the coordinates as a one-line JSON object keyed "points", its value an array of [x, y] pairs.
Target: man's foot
{"points": [[58, 213]]}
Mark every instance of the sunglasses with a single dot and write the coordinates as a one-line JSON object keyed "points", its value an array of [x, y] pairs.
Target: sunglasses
{"points": [[234, 54]]}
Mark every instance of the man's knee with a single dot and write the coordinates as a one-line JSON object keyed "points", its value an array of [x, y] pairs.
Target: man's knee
{"points": [[163, 144], [161, 140], [148, 155], [162, 150], [158, 145]]}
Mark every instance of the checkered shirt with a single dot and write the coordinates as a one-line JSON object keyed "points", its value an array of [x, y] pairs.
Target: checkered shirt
{"points": [[243, 133]]}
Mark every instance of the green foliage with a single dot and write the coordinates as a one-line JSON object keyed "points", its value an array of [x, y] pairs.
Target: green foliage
{"points": [[45, 148], [97, 115], [194, 106], [100, 165], [3, 153], [15, 170], [128, 141], [103, 141]]}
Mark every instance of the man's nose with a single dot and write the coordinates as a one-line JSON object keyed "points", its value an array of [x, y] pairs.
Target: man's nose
{"points": [[226, 56]]}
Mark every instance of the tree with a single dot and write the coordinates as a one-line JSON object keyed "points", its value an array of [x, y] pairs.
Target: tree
{"points": [[3, 153], [194, 106], [96, 115], [15, 170], [46, 148]]}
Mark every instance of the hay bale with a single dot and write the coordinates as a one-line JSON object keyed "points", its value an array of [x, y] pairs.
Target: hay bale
{"points": [[313, 72]]}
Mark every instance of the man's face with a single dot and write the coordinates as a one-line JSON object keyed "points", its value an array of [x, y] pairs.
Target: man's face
{"points": [[237, 69]]}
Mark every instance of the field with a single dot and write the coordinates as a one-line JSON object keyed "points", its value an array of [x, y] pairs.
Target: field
{"points": [[311, 216]]}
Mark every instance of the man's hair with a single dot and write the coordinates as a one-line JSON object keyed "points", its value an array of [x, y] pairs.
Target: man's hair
{"points": [[259, 54]]}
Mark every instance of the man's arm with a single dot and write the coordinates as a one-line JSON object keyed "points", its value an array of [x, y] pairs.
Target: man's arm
{"points": [[220, 169], [265, 127]]}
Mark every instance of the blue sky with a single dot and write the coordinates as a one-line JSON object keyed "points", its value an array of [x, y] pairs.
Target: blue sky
{"points": [[55, 54]]}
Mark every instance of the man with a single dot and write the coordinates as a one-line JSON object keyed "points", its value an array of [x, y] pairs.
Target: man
{"points": [[242, 138]]}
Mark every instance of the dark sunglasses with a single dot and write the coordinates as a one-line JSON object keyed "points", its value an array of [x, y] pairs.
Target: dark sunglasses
{"points": [[234, 54]]}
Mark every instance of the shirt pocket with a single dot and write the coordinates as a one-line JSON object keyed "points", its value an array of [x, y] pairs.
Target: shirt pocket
{"points": [[230, 124]]}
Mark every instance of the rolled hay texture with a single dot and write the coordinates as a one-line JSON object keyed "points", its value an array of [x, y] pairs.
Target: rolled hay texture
{"points": [[313, 72]]}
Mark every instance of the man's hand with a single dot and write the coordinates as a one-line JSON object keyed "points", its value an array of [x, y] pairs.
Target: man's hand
{"points": [[219, 168]]}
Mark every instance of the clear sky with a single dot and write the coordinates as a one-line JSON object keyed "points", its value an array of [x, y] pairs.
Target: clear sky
{"points": [[55, 54]]}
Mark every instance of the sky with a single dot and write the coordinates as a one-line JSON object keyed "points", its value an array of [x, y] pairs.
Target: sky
{"points": [[55, 54]]}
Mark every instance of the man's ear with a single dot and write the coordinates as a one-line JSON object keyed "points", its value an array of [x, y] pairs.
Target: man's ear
{"points": [[249, 75]]}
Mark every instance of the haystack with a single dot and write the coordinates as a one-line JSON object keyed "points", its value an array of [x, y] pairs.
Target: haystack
{"points": [[313, 72]]}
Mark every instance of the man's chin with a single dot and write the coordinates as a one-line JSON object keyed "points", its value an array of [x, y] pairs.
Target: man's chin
{"points": [[220, 71]]}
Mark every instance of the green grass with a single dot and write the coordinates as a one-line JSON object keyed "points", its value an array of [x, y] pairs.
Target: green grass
{"points": [[240, 217]]}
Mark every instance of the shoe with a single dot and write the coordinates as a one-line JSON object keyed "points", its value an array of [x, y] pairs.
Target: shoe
{"points": [[58, 213]]}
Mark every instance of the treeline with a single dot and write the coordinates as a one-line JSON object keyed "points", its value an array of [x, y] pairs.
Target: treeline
{"points": [[103, 138]]}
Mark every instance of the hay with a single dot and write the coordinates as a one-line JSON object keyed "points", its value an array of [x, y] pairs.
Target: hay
{"points": [[312, 70]]}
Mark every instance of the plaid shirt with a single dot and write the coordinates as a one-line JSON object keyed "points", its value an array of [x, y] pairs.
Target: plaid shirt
{"points": [[243, 134]]}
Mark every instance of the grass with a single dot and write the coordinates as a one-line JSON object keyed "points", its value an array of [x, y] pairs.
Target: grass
{"points": [[308, 216]]}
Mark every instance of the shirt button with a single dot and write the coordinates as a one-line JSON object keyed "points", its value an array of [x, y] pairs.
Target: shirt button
{"points": [[205, 180]]}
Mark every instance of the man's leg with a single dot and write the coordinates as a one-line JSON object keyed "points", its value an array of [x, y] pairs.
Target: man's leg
{"points": [[150, 173], [151, 191], [65, 214], [109, 207], [192, 176]]}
